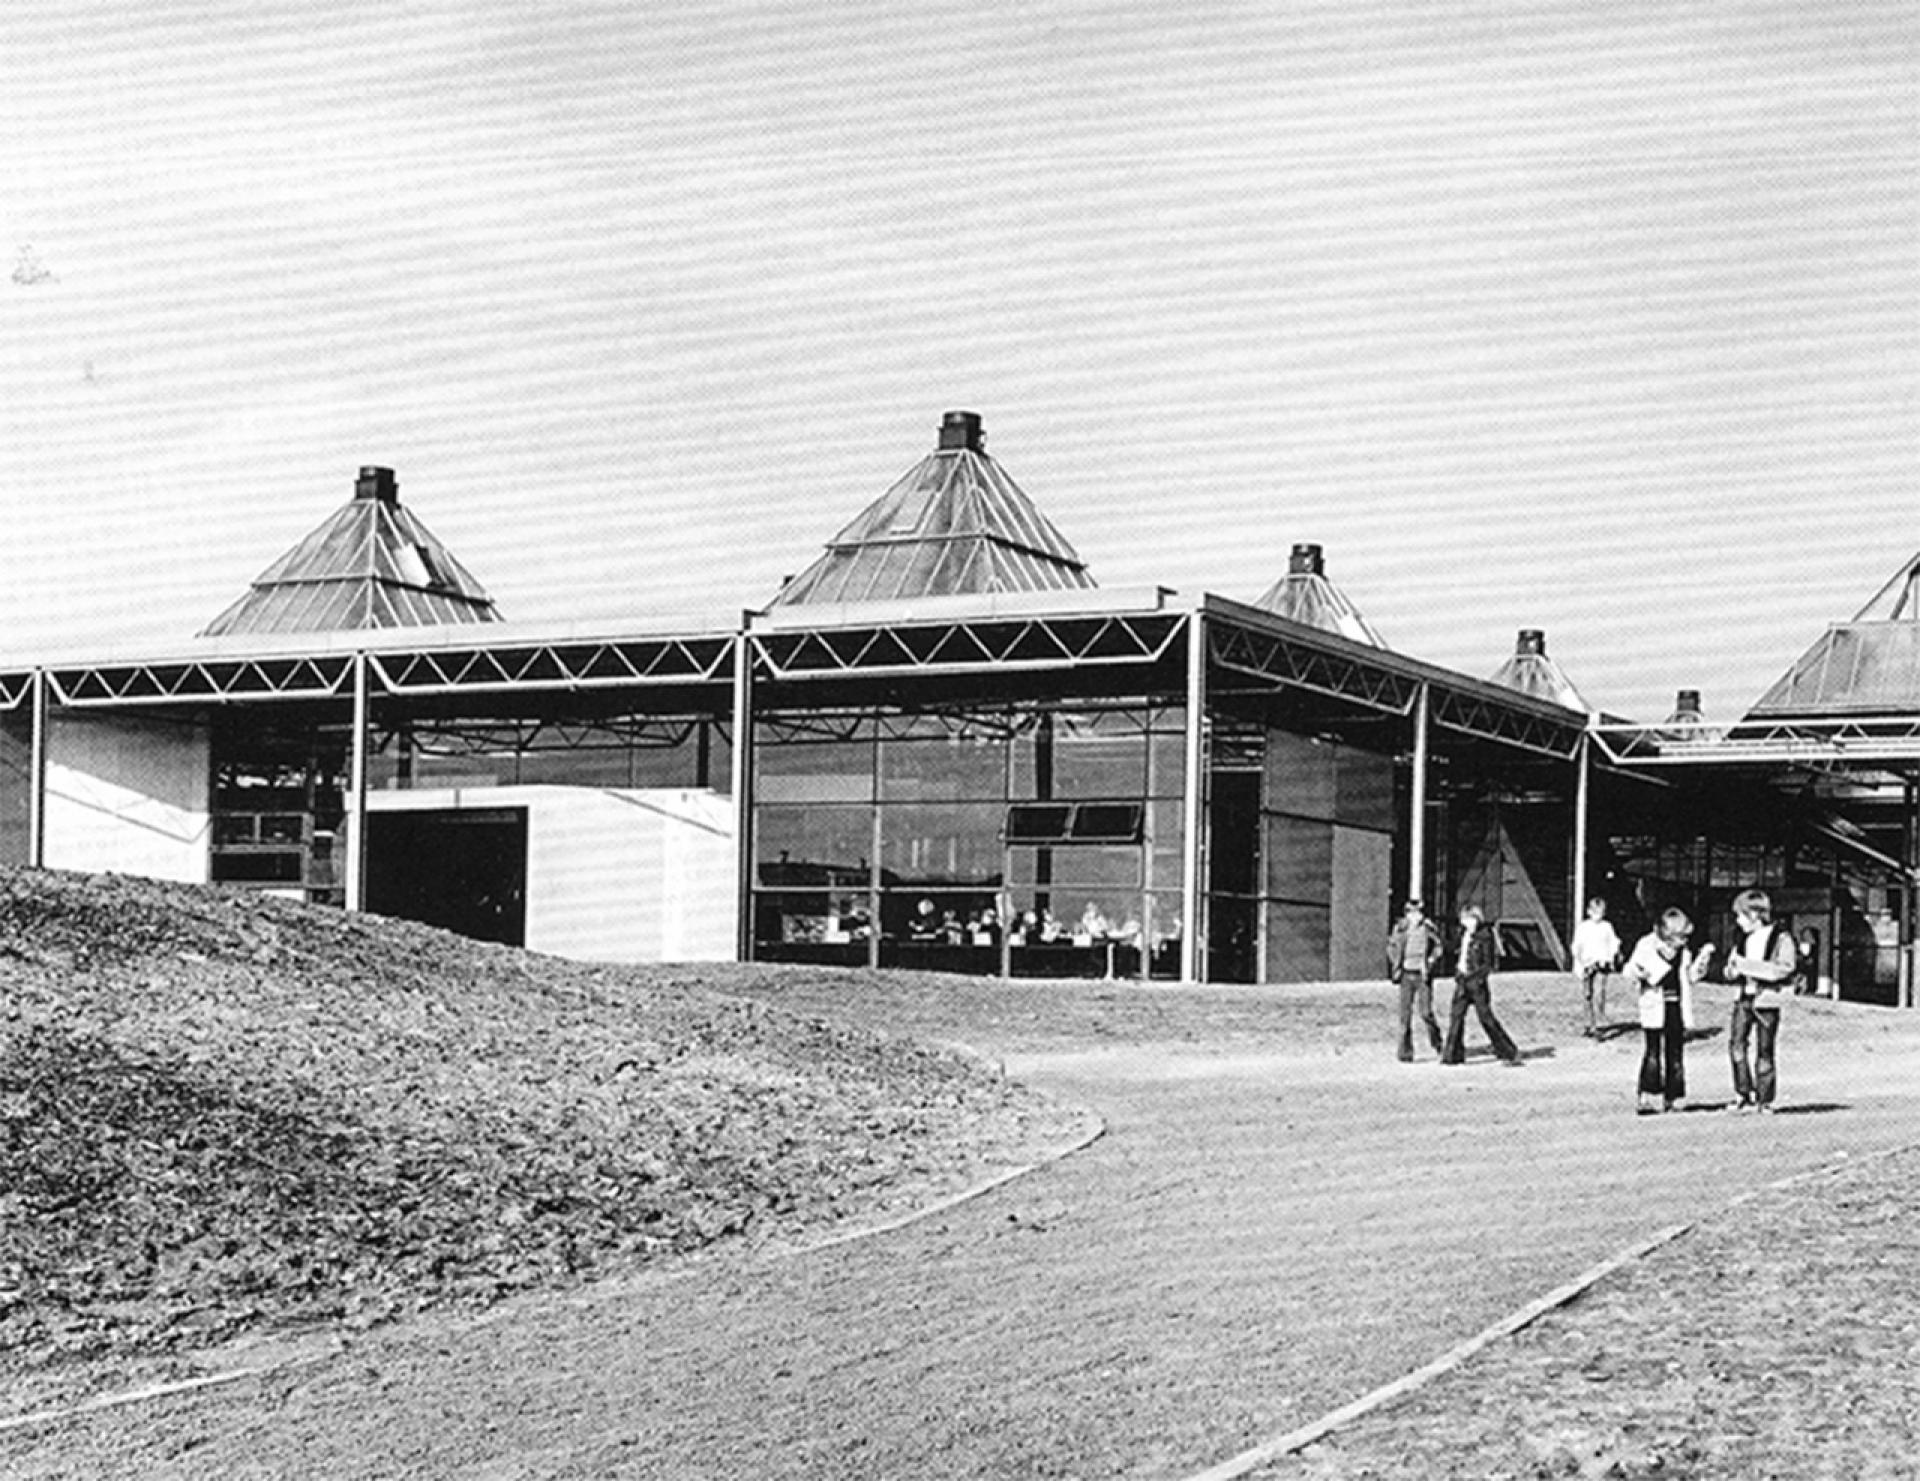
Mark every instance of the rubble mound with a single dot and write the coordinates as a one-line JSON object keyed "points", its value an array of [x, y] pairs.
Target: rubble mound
{"points": [[221, 1111]]}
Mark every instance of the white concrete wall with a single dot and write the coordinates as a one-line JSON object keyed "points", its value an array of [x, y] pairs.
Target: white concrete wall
{"points": [[128, 793], [615, 874]]}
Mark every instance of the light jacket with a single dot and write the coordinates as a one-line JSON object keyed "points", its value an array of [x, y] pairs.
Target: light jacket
{"points": [[1647, 968]]}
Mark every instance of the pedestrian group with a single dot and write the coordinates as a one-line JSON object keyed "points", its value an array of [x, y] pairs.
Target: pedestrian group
{"points": [[1763, 964]]}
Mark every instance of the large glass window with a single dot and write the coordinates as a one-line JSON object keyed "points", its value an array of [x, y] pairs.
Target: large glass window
{"points": [[932, 791], [16, 762]]}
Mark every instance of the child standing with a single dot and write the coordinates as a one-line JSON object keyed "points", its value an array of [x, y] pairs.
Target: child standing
{"points": [[1666, 972], [1596, 950]]}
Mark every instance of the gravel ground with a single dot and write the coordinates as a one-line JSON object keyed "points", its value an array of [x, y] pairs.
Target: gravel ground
{"points": [[1278, 1220]]}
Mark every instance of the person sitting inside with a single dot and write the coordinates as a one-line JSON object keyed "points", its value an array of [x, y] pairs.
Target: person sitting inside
{"points": [[925, 924]]}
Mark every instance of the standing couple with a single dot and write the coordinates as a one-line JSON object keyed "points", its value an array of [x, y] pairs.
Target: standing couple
{"points": [[1416, 947]]}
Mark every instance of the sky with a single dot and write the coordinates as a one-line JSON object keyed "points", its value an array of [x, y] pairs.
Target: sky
{"points": [[1600, 318]]}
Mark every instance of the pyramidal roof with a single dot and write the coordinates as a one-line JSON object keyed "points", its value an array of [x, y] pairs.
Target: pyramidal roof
{"points": [[954, 524], [1531, 671], [1305, 595], [371, 564], [1867, 665]]}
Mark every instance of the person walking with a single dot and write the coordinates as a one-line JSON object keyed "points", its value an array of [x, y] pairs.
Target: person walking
{"points": [[1665, 971], [1762, 963], [1596, 951], [1473, 965], [1414, 949]]}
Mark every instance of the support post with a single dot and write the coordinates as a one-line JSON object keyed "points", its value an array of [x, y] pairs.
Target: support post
{"points": [[37, 772], [1909, 903], [741, 777], [1417, 802], [1582, 800], [356, 860], [1193, 802]]}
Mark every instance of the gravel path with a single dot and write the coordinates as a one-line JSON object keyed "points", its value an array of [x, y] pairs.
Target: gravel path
{"points": [[1279, 1218]]}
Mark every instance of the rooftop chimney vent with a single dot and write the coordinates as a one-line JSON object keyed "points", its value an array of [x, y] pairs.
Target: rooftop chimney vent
{"points": [[1307, 560], [1686, 705], [1532, 640], [961, 430], [376, 483]]}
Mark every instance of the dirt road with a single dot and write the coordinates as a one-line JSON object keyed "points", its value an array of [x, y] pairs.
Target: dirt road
{"points": [[1278, 1218]]}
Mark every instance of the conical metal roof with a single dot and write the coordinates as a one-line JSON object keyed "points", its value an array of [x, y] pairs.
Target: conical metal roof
{"points": [[955, 524], [371, 564], [1868, 665], [1305, 595], [1531, 671]]}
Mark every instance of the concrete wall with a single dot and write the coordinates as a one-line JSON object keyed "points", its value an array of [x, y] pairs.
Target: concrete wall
{"points": [[615, 874], [129, 794]]}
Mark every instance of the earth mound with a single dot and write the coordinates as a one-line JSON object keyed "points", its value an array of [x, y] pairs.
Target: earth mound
{"points": [[221, 1111]]}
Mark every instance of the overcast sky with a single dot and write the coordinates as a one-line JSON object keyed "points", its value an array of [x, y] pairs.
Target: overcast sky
{"points": [[1595, 317]]}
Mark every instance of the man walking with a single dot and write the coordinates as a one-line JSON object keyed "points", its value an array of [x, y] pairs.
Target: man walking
{"points": [[1414, 946]]}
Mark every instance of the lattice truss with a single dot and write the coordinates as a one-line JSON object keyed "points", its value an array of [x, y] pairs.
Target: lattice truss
{"points": [[458, 737], [1837, 743], [554, 665], [611, 664], [974, 645], [14, 689], [1361, 679]]}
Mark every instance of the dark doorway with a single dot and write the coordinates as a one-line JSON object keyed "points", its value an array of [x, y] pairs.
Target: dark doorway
{"points": [[465, 871], [1233, 877]]}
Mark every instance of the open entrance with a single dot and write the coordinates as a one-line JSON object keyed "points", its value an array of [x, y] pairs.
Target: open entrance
{"points": [[463, 870]]}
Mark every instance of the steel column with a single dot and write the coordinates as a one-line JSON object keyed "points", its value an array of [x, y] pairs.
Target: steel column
{"points": [[1193, 800], [37, 772], [1582, 800], [356, 860], [742, 773], [1417, 805]]}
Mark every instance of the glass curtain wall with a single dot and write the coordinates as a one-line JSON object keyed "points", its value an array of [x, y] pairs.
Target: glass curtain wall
{"points": [[16, 784], [639, 753], [1042, 841]]}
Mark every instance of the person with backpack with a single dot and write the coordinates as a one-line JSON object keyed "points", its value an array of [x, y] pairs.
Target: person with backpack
{"points": [[1763, 963]]}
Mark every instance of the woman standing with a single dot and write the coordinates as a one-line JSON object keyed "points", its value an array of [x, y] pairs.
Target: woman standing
{"points": [[1665, 972]]}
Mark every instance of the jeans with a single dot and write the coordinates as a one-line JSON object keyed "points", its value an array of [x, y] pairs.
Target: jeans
{"points": [[1753, 1084], [1474, 992], [1663, 1070], [1416, 995]]}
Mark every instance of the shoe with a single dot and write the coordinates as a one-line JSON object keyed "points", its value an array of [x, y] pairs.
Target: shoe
{"points": [[1518, 1062], [1406, 1059], [1766, 1110], [1675, 1105], [1647, 1107]]}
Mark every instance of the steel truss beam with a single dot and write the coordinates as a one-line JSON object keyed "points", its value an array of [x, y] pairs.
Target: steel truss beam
{"points": [[209, 679], [986, 645], [1485, 718], [1276, 658], [1836, 743], [14, 689], [605, 665], [519, 737]]}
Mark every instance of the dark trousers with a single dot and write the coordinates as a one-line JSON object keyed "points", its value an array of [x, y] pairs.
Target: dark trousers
{"points": [[1663, 1070], [1753, 1083], [1416, 995], [1474, 991]]}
